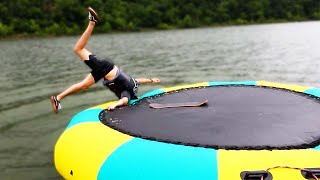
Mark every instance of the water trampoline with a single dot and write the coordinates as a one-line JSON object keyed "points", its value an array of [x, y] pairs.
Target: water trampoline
{"points": [[248, 130]]}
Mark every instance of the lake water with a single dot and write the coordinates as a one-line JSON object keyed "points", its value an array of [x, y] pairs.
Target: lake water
{"points": [[33, 70]]}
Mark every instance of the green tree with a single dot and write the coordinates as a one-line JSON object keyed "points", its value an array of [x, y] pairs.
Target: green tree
{"points": [[63, 17]]}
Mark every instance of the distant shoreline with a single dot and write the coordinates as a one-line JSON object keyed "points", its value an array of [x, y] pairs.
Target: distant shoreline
{"points": [[35, 36]]}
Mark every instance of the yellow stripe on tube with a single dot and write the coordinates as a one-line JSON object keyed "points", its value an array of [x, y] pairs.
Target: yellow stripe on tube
{"points": [[103, 106], [284, 86], [83, 148], [203, 84]]}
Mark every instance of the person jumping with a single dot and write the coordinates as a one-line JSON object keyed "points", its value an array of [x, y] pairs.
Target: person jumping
{"points": [[124, 86]]}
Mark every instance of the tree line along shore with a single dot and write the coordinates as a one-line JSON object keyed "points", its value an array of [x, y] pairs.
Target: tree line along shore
{"points": [[68, 17]]}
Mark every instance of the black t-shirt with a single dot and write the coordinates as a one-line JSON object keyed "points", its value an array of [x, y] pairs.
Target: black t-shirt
{"points": [[123, 85]]}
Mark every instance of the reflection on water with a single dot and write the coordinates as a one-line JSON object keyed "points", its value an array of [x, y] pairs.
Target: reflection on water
{"points": [[32, 70]]}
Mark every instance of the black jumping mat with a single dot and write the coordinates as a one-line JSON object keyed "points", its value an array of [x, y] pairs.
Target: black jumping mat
{"points": [[235, 117]]}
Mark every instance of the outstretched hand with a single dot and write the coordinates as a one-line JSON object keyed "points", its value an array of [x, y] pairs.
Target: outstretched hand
{"points": [[123, 101], [155, 80], [112, 107]]}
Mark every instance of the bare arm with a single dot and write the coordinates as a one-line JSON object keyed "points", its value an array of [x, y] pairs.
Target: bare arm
{"points": [[123, 101], [146, 81]]}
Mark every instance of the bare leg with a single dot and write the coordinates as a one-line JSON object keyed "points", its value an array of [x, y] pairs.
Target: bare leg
{"points": [[83, 53], [79, 47], [88, 81]]}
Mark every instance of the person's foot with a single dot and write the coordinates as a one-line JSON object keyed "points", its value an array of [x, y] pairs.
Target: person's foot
{"points": [[55, 104], [93, 16]]}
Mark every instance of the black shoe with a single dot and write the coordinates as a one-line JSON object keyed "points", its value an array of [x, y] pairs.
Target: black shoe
{"points": [[55, 104], [93, 16]]}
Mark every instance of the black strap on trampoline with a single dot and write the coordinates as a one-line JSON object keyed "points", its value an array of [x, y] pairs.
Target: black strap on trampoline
{"points": [[311, 173], [307, 173], [256, 175]]}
